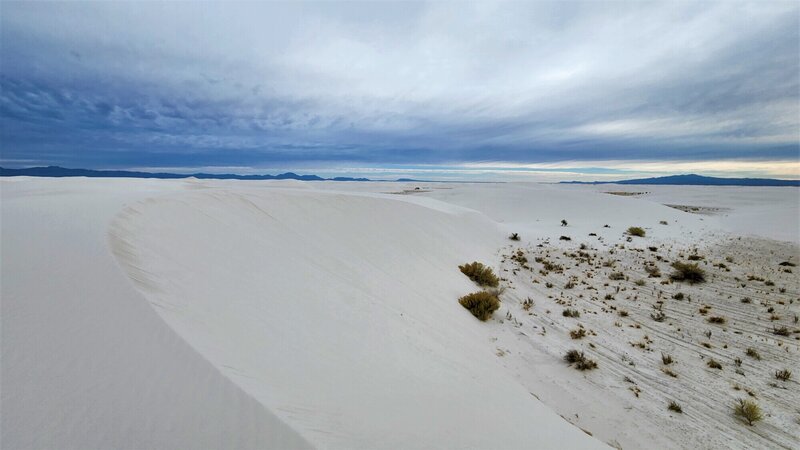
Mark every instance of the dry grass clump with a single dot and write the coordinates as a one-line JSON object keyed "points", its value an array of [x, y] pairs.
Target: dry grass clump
{"points": [[579, 360], [577, 333], [678, 296], [666, 359], [714, 364], [514, 236], [780, 331], [616, 276], [783, 375], [658, 316], [753, 353], [716, 319], [481, 304], [481, 274], [569, 312], [691, 273], [748, 410], [674, 406], [636, 231]]}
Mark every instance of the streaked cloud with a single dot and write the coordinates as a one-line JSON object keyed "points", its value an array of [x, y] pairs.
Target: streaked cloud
{"points": [[328, 85]]}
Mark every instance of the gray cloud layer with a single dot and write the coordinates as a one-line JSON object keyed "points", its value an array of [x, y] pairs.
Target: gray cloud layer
{"points": [[265, 84]]}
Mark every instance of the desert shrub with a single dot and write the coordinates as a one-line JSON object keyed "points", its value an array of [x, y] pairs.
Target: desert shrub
{"points": [[695, 258], [658, 316], [577, 333], [787, 264], [663, 222], [783, 375], [622, 313], [714, 364], [746, 300], [481, 304], [780, 331], [514, 236], [636, 231], [748, 410], [688, 272], [616, 276], [480, 274], [666, 359], [716, 319], [753, 353], [640, 282], [564, 222], [569, 312], [580, 361], [564, 238], [674, 406], [678, 296]]}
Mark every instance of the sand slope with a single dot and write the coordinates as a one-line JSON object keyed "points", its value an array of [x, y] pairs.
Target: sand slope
{"points": [[86, 362], [339, 313]]}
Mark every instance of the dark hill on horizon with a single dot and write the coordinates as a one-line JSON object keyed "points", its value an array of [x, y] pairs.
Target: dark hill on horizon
{"points": [[60, 172], [697, 180]]}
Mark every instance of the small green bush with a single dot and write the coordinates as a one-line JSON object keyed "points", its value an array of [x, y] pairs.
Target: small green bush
{"points": [[636, 231], [688, 272], [748, 410], [481, 304], [480, 274]]}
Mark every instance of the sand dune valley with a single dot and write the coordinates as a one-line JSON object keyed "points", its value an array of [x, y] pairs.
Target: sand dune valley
{"points": [[287, 314]]}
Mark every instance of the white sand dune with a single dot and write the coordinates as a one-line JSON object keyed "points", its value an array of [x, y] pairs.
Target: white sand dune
{"points": [[86, 362], [224, 314], [338, 313]]}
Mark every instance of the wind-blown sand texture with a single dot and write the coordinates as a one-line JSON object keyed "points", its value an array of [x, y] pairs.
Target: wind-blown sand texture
{"points": [[229, 314]]}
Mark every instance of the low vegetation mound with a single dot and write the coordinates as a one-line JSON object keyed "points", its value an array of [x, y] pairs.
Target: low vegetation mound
{"points": [[481, 304], [689, 272], [480, 274], [636, 231], [579, 360]]}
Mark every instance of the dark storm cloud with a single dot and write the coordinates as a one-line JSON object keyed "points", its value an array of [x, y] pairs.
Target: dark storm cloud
{"points": [[113, 85]]}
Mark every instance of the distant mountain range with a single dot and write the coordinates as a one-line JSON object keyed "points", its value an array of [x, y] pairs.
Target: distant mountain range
{"points": [[698, 180], [59, 172]]}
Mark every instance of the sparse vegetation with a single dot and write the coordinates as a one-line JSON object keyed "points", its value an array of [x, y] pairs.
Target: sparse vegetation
{"points": [[564, 238], [577, 333], [666, 359], [636, 231], [564, 222], [753, 353], [579, 360], [714, 364], [514, 236], [569, 312], [780, 331], [481, 304], [674, 406], [678, 296], [716, 319], [616, 276], [658, 316], [748, 410], [480, 274], [691, 273], [783, 375]]}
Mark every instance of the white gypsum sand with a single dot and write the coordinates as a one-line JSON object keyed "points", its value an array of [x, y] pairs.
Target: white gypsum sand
{"points": [[326, 314]]}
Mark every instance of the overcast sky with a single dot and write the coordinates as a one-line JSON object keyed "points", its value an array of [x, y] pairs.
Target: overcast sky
{"points": [[595, 88]]}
